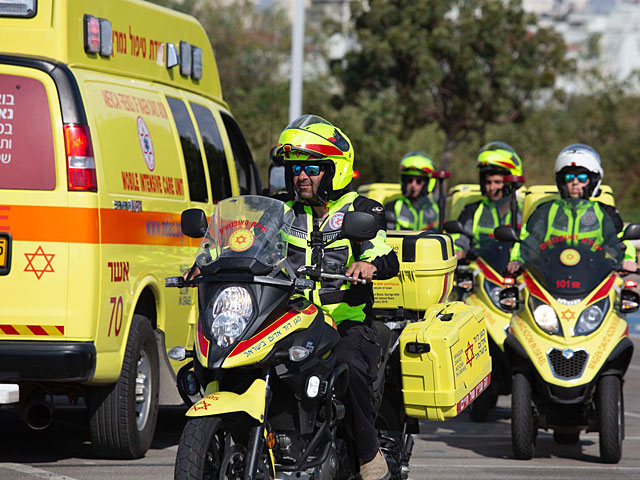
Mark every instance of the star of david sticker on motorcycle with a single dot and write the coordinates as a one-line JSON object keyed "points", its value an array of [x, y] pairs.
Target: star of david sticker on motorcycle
{"points": [[568, 315], [469, 353], [35, 262], [201, 406]]}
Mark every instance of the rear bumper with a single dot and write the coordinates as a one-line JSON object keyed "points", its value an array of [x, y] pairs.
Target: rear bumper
{"points": [[47, 361]]}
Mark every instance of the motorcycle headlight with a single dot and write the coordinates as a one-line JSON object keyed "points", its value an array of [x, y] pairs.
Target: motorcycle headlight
{"points": [[591, 317], [545, 316], [230, 313], [493, 290]]}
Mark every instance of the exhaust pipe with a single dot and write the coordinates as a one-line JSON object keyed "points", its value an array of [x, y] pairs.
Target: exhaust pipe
{"points": [[36, 409]]}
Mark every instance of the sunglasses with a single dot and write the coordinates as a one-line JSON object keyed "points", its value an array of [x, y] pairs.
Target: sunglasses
{"points": [[418, 180], [570, 177], [310, 170]]}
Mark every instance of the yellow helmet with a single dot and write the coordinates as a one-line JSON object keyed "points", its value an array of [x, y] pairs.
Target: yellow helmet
{"points": [[498, 158], [310, 138]]}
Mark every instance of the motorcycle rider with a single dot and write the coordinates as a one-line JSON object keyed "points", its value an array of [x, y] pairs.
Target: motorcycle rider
{"points": [[495, 160], [416, 209], [579, 175], [319, 168]]}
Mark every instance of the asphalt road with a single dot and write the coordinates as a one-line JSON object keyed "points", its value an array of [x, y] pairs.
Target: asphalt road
{"points": [[457, 449]]}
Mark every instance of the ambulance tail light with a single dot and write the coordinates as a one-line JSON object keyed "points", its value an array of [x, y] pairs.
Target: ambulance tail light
{"points": [[81, 166]]}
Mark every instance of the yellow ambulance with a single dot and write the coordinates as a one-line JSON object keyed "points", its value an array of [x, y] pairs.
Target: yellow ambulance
{"points": [[111, 124]]}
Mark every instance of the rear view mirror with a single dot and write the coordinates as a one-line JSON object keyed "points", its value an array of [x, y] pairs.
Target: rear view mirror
{"points": [[632, 232], [455, 226], [359, 226], [193, 223], [505, 233]]}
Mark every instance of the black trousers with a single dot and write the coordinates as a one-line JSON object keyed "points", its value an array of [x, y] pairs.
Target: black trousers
{"points": [[359, 349]]}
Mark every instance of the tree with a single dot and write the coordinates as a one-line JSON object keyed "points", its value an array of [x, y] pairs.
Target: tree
{"points": [[463, 64]]}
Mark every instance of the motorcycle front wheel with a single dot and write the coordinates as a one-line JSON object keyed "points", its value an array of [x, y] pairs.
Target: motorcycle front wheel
{"points": [[205, 449]]}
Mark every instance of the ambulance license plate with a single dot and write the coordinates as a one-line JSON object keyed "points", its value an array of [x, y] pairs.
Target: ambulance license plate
{"points": [[5, 253]]}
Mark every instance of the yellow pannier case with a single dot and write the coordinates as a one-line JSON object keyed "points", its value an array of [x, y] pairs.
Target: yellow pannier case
{"points": [[427, 263], [444, 360]]}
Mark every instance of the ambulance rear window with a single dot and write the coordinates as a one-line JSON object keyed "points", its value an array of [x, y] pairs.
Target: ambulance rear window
{"points": [[27, 158]]}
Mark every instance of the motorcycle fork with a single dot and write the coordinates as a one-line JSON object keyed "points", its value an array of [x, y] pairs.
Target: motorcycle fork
{"points": [[256, 437]]}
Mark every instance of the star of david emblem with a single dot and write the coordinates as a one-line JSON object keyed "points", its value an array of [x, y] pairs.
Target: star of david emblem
{"points": [[469, 353], [241, 239], [201, 406], [568, 315], [46, 259]]}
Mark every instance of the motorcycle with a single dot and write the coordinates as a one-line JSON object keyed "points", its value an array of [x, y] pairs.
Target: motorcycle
{"points": [[479, 279], [568, 341], [262, 358]]}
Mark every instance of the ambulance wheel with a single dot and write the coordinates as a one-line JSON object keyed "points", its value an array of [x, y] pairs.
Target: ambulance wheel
{"points": [[481, 406], [610, 418], [523, 429], [124, 414], [566, 438]]}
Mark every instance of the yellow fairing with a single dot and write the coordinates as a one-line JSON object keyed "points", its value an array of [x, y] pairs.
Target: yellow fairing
{"points": [[256, 348], [495, 319], [252, 402], [595, 347]]}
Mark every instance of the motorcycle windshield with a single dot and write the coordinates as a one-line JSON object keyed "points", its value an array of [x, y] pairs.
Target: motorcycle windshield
{"points": [[495, 253], [570, 266], [247, 227]]}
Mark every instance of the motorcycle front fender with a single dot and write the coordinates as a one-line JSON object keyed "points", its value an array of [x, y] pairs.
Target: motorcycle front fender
{"points": [[251, 402]]}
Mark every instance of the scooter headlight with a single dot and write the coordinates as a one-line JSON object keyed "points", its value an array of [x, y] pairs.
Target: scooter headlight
{"points": [[230, 313], [545, 316], [591, 317], [493, 290]]}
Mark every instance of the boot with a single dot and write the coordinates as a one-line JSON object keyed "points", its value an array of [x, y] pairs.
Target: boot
{"points": [[375, 469]]}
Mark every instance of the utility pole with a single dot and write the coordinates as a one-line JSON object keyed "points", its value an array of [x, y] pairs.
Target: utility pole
{"points": [[297, 60]]}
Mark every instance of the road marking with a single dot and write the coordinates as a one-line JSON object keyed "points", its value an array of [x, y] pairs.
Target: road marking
{"points": [[34, 472], [519, 465], [632, 414], [634, 367], [433, 436]]}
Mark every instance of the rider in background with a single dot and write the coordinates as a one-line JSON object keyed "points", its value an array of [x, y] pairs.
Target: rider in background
{"points": [[574, 216], [319, 167], [495, 160], [416, 209]]}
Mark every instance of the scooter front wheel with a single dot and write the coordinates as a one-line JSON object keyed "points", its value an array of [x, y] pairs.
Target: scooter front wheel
{"points": [[203, 449], [610, 418], [523, 427]]}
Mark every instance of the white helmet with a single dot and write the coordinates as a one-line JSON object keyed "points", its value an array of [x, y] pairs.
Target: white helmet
{"points": [[579, 155]]}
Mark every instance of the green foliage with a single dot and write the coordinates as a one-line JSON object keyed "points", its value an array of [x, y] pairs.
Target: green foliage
{"points": [[462, 64]]}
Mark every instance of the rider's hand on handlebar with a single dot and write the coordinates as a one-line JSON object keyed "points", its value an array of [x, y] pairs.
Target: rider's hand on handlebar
{"points": [[191, 273], [513, 266], [629, 266], [364, 270]]}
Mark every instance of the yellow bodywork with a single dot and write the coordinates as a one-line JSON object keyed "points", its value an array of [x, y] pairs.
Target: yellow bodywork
{"points": [[256, 348], [495, 319], [439, 383], [598, 345], [215, 403], [381, 192]]}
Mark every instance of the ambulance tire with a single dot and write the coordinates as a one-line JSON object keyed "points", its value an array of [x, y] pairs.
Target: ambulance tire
{"points": [[124, 414], [610, 418], [523, 428]]}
